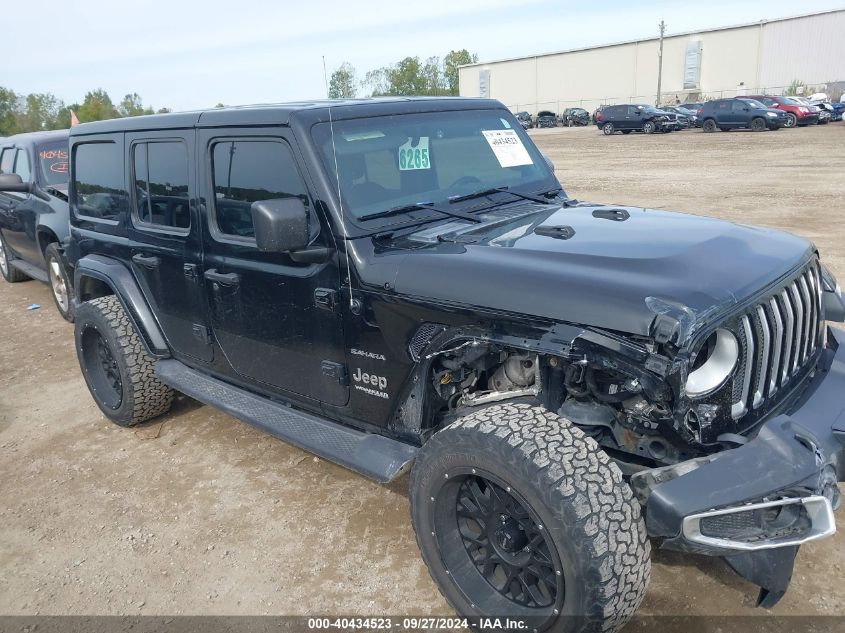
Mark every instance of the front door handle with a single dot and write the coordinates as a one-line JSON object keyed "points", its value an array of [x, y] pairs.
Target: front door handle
{"points": [[146, 262], [224, 279]]}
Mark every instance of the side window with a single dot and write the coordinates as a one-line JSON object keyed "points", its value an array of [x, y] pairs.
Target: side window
{"points": [[722, 106], [160, 176], [22, 166], [7, 161], [244, 172], [98, 181]]}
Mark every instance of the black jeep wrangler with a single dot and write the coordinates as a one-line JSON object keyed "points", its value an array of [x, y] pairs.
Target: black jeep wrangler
{"points": [[403, 281], [34, 212]]}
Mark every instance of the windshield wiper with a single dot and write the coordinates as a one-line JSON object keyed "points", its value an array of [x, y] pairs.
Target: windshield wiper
{"points": [[419, 206], [486, 192]]}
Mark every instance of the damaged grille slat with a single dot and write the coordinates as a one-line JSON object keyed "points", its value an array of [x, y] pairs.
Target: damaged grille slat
{"points": [[777, 339]]}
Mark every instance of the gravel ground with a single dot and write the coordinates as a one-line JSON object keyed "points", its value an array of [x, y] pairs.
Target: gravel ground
{"points": [[196, 513]]}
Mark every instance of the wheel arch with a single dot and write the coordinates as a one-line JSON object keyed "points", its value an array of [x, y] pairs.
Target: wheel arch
{"points": [[97, 276], [46, 236]]}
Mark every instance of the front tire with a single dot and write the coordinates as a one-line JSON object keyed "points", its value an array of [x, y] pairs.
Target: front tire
{"points": [[518, 513], [59, 282], [648, 127], [117, 369], [791, 120], [758, 125], [9, 272]]}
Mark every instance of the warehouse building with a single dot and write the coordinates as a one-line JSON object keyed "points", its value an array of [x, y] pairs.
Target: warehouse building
{"points": [[763, 57]]}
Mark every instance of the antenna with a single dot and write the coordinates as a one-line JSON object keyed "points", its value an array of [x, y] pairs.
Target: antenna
{"points": [[342, 214], [326, 80]]}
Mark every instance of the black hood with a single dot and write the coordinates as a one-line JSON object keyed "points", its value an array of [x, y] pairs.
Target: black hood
{"points": [[620, 268]]}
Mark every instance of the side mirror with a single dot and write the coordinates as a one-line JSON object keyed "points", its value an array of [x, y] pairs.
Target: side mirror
{"points": [[281, 225], [13, 182]]}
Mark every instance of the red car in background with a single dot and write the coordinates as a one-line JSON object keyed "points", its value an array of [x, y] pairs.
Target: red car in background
{"points": [[796, 113]]}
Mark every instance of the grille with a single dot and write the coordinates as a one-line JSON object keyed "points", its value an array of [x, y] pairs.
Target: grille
{"points": [[778, 339]]}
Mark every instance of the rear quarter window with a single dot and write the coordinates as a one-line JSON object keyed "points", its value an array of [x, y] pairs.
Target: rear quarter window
{"points": [[98, 184]]}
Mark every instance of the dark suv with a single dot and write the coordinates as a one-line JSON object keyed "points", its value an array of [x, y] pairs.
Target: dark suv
{"points": [[34, 212], [732, 114], [633, 118], [388, 282]]}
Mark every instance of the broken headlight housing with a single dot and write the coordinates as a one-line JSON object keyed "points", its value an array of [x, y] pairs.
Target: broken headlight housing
{"points": [[714, 362]]}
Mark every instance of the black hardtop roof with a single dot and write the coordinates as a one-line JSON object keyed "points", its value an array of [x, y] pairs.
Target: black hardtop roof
{"points": [[281, 113], [31, 138]]}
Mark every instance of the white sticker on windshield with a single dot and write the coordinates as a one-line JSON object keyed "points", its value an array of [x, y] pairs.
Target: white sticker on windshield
{"points": [[414, 156], [508, 147]]}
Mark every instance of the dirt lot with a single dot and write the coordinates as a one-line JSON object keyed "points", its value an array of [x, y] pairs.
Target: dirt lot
{"points": [[200, 514]]}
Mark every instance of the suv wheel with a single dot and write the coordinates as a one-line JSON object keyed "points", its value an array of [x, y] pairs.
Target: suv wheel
{"points": [[517, 512], [9, 272], [608, 128], [59, 282], [117, 368], [758, 124], [709, 125], [791, 120], [648, 127]]}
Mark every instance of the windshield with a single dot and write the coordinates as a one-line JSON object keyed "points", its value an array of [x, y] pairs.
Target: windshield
{"points": [[392, 161], [53, 159], [754, 103]]}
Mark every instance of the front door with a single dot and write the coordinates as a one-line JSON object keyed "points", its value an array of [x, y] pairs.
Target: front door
{"points": [[19, 209], [274, 318], [166, 256]]}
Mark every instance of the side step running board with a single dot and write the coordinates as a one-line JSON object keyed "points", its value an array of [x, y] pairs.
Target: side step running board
{"points": [[30, 271], [372, 455]]}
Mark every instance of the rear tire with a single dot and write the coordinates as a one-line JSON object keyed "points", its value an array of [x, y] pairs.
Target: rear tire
{"points": [[608, 128], [709, 125], [59, 282], [117, 369], [518, 513], [9, 272]]}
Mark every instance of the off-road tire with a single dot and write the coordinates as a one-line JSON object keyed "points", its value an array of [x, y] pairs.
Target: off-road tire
{"points": [[572, 485], [709, 125], [55, 266], [142, 395], [9, 272], [608, 128]]}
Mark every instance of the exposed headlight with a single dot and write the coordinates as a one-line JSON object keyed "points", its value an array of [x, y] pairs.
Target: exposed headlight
{"points": [[803, 109], [713, 364], [770, 114]]}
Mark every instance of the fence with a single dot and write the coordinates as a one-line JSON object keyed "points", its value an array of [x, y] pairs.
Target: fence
{"points": [[834, 90]]}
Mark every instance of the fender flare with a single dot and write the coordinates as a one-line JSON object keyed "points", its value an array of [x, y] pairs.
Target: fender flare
{"points": [[123, 285]]}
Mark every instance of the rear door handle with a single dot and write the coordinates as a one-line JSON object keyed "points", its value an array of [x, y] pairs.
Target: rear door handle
{"points": [[146, 262], [224, 279]]}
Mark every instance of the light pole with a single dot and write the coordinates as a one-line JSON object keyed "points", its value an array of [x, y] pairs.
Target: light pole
{"points": [[660, 63]]}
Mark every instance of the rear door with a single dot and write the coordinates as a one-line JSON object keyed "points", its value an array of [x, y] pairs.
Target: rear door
{"points": [[274, 318], [722, 113], [164, 232]]}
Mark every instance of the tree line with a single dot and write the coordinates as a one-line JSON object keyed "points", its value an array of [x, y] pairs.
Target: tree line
{"points": [[44, 111], [408, 76]]}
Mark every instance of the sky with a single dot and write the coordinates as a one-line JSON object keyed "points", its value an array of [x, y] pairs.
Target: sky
{"points": [[186, 55]]}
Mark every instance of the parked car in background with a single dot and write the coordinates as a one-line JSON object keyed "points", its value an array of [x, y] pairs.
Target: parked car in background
{"points": [[732, 114], [824, 113], [545, 118], [34, 212], [572, 117], [633, 118], [524, 120], [673, 122], [796, 113], [687, 118]]}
